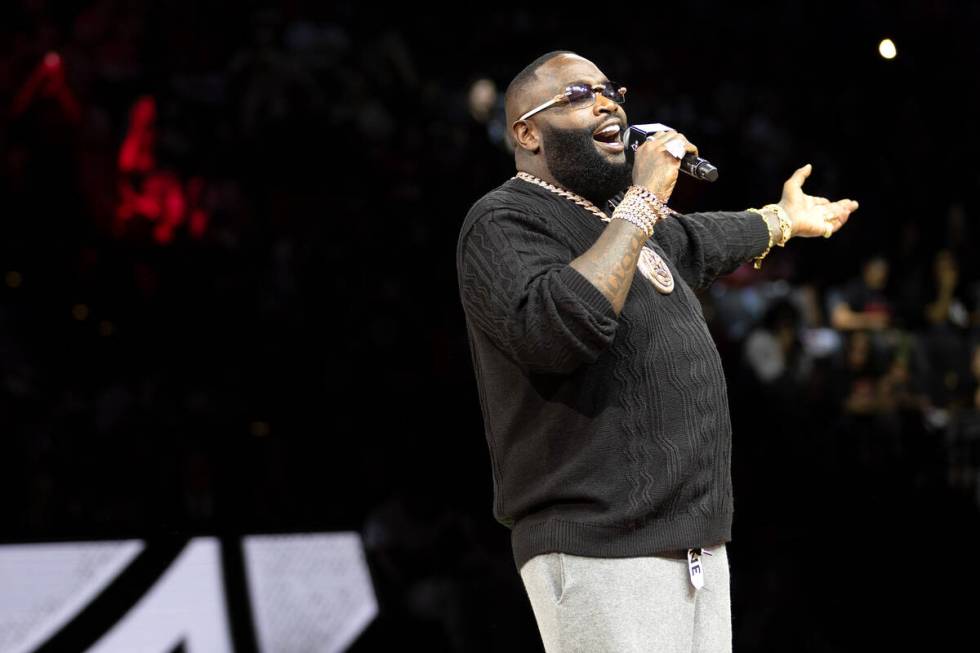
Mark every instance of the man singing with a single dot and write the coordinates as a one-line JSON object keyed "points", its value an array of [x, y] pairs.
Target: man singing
{"points": [[603, 395]]}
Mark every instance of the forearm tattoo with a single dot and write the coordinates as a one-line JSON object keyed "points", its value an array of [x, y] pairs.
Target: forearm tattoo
{"points": [[611, 262]]}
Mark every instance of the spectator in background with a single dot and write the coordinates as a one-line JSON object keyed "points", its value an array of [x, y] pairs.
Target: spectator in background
{"points": [[861, 303], [962, 441], [946, 306], [774, 353], [958, 239], [944, 337], [486, 107], [899, 387], [860, 372], [857, 379]]}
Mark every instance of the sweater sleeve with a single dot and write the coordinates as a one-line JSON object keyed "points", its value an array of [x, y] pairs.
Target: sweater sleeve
{"points": [[705, 246], [517, 286]]}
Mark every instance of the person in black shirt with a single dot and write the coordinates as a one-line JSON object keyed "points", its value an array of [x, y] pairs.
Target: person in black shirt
{"points": [[602, 391], [862, 303]]}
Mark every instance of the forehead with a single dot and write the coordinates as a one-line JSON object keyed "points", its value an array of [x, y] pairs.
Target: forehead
{"points": [[565, 69]]}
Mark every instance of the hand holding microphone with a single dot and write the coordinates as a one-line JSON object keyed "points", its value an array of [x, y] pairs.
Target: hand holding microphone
{"points": [[657, 161], [691, 163]]}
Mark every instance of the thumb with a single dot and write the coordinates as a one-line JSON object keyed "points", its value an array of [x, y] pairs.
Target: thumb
{"points": [[800, 176]]}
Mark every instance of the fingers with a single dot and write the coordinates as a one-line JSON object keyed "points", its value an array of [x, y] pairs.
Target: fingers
{"points": [[843, 207], [838, 222], [838, 212], [661, 139], [688, 145]]}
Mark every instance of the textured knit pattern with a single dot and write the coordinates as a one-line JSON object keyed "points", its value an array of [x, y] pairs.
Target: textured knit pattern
{"points": [[609, 436]]}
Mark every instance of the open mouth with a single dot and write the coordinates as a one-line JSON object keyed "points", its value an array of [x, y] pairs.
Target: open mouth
{"points": [[609, 138]]}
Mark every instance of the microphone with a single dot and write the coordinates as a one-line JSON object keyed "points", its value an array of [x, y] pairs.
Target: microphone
{"points": [[690, 163]]}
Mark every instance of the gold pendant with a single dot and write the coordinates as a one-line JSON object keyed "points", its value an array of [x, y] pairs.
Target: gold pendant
{"points": [[655, 269]]}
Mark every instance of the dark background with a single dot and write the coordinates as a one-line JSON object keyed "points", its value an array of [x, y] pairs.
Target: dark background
{"points": [[254, 326]]}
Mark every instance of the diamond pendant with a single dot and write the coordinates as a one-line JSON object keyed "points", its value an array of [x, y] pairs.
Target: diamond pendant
{"points": [[655, 269]]}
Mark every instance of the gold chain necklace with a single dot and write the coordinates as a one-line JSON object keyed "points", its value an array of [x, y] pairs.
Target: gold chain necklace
{"points": [[650, 264], [578, 199]]}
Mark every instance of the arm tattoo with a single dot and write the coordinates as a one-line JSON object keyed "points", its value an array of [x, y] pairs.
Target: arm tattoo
{"points": [[611, 262]]}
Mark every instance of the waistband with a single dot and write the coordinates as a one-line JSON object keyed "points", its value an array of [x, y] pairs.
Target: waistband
{"points": [[681, 554]]}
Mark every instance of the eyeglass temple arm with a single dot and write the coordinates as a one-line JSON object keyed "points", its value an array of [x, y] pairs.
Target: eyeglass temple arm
{"points": [[541, 107]]}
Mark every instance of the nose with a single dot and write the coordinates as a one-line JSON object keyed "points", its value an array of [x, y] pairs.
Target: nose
{"points": [[602, 103]]}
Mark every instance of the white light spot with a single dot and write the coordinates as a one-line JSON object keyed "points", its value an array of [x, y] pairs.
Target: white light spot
{"points": [[887, 49]]}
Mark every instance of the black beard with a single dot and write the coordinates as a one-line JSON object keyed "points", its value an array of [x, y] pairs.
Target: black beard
{"points": [[578, 166]]}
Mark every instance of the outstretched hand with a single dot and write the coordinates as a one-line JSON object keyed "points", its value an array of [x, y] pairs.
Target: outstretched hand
{"points": [[810, 215]]}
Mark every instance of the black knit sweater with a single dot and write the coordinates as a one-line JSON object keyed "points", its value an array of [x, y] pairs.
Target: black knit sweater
{"points": [[609, 436]]}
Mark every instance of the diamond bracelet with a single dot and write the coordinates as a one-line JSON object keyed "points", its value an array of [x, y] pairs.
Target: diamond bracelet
{"points": [[636, 210], [659, 207]]}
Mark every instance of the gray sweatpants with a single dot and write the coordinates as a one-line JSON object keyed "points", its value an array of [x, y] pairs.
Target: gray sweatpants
{"points": [[629, 605]]}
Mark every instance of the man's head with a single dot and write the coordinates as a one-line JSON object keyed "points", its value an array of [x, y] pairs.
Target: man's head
{"points": [[559, 142]]}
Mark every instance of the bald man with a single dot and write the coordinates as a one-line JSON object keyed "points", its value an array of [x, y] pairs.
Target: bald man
{"points": [[603, 394]]}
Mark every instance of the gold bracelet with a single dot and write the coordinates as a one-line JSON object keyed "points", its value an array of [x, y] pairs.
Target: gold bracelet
{"points": [[758, 259], [779, 213], [785, 226]]}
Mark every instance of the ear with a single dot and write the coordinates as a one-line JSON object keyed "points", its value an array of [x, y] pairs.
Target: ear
{"points": [[525, 136]]}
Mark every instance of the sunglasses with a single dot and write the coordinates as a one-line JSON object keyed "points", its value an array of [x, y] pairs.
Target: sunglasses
{"points": [[580, 95]]}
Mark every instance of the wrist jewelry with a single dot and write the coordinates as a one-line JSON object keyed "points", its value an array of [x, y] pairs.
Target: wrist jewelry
{"points": [[758, 259], [785, 229], [644, 207], [635, 210], [785, 226], [659, 207], [778, 212]]}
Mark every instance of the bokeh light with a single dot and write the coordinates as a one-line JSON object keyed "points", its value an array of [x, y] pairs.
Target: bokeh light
{"points": [[887, 49]]}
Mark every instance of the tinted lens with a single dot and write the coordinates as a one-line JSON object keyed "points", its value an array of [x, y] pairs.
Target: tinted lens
{"points": [[579, 94], [611, 91]]}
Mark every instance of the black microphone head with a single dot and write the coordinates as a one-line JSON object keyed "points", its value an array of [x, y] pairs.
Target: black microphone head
{"points": [[698, 168], [708, 172]]}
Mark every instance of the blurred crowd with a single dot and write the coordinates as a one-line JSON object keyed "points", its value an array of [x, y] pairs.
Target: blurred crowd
{"points": [[893, 353], [230, 301]]}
